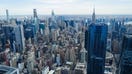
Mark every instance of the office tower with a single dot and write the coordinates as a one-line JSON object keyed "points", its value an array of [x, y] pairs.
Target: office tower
{"points": [[29, 32], [30, 60], [42, 28], [7, 35], [7, 16], [35, 24], [35, 20], [126, 56], [97, 40], [19, 35], [118, 31], [93, 16], [83, 54], [35, 13], [52, 18], [15, 35], [76, 27], [53, 23], [2, 38]]}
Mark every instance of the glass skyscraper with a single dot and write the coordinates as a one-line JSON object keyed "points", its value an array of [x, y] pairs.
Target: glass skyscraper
{"points": [[126, 56], [97, 40]]}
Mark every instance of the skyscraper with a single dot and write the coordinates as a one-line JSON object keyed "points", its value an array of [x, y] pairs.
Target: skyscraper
{"points": [[97, 39], [126, 56], [19, 35], [35, 20], [35, 13], [7, 16], [83, 54], [93, 16], [35, 24], [86, 40]]}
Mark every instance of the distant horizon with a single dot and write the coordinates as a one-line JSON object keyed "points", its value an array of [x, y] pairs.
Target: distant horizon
{"points": [[70, 14]]}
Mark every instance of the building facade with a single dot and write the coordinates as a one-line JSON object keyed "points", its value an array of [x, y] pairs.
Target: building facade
{"points": [[97, 40], [126, 56]]}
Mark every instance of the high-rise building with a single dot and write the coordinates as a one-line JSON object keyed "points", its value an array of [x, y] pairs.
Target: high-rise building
{"points": [[86, 39], [35, 24], [35, 20], [93, 16], [97, 40], [42, 28], [19, 35], [15, 35], [35, 13], [83, 55], [2, 38], [7, 16], [29, 32], [31, 60], [126, 56], [7, 35]]}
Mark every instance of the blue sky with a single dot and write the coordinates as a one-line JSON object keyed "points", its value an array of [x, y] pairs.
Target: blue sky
{"points": [[18, 7]]}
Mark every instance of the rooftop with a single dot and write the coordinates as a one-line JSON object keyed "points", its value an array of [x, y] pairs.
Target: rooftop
{"points": [[7, 70], [80, 66]]}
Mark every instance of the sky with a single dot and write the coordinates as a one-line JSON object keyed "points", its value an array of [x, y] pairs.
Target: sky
{"points": [[44, 7]]}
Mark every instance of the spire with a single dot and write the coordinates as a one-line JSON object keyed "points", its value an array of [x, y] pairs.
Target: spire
{"points": [[93, 16]]}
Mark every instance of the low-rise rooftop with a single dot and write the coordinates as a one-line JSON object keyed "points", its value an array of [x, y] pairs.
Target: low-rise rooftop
{"points": [[8, 70]]}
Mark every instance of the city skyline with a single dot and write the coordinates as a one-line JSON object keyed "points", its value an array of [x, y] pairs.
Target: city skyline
{"points": [[75, 7], [65, 37]]}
